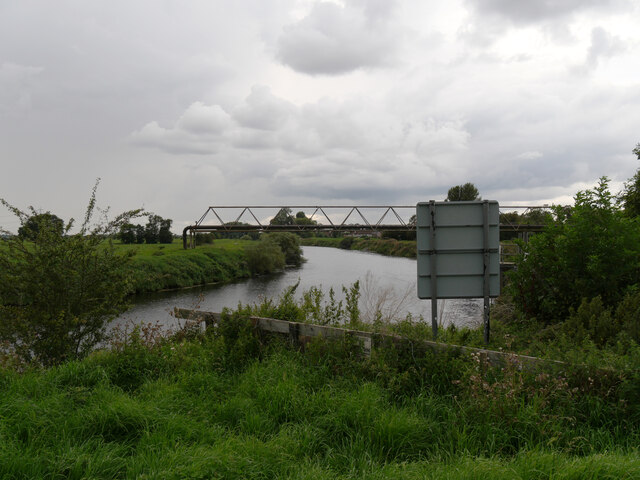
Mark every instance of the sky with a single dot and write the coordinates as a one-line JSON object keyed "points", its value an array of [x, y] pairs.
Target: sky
{"points": [[179, 105]]}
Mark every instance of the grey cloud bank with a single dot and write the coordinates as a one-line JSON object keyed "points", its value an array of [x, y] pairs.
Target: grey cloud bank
{"points": [[178, 106]]}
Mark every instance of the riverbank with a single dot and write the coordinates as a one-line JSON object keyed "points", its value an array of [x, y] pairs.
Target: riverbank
{"points": [[165, 267], [383, 246], [161, 267]]}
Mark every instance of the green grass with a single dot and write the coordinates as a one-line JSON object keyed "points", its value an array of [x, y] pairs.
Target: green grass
{"points": [[232, 406], [158, 267]]}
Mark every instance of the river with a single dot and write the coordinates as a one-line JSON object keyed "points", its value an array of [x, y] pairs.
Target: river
{"points": [[387, 284]]}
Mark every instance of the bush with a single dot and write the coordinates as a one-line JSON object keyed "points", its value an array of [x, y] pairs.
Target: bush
{"points": [[58, 291], [346, 243], [290, 246], [264, 257], [590, 250]]}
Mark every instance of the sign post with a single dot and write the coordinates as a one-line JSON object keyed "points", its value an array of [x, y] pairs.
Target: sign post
{"points": [[458, 253]]}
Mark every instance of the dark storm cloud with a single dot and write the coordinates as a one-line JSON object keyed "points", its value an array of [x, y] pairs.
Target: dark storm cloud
{"points": [[334, 40]]}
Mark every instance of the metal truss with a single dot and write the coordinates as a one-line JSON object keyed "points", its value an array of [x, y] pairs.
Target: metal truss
{"points": [[349, 218]]}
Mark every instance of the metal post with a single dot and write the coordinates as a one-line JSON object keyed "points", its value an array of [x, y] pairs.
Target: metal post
{"points": [[433, 271], [184, 238], [486, 261]]}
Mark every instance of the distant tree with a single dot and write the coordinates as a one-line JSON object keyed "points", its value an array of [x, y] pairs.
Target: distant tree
{"points": [[462, 193], [403, 235], [630, 196], [164, 233], [237, 234], [37, 221], [283, 217], [152, 229], [302, 219], [140, 231], [204, 238], [127, 233]]}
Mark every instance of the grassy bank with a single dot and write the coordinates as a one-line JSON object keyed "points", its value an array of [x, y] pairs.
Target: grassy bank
{"points": [[383, 246], [157, 267], [232, 405]]}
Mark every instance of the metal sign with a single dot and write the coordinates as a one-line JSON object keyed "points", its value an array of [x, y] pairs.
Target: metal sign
{"points": [[458, 252]]}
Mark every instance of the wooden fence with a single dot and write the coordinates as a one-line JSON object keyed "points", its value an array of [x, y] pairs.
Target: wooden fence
{"points": [[301, 333]]}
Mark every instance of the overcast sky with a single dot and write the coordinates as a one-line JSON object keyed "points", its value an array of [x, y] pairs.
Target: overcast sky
{"points": [[178, 105]]}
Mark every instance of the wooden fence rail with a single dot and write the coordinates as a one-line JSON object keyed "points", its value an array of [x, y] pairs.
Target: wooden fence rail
{"points": [[301, 333]]}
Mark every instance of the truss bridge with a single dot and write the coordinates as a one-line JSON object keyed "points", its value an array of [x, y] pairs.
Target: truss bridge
{"points": [[350, 219]]}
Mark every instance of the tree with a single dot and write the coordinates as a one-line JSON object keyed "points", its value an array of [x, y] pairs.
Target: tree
{"points": [[37, 221], [59, 290], [140, 234], [152, 229], [591, 250], [289, 243], [127, 233], [631, 194], [462, 193], [264, 257], [164, 233], [283, 217], [302, 219]]}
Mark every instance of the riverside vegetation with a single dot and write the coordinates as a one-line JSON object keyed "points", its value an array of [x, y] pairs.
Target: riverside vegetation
{"points": [[159, 267], [383, 246], [59, 288], [232, 404]]}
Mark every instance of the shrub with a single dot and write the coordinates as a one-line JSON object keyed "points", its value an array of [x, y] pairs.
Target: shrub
{"points": [[346, 243], [264, 257], [58, 291], [590, 250], [290, 246]]}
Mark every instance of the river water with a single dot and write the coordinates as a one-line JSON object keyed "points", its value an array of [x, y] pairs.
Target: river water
{"points": [[387, 284]]}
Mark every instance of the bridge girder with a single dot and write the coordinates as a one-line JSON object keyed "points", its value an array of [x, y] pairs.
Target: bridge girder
{"points": [[403, 224]]}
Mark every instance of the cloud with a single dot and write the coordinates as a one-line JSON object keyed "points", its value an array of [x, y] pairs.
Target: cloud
{"points": [[333, 40], [505, 136], [263, 111], [16, 83], [603, 45], [529, 12], [199, 130], [345, 149]]}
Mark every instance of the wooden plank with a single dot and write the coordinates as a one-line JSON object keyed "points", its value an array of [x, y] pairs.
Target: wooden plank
{"points": [[304, 331], [210, 318], [271, 324]]}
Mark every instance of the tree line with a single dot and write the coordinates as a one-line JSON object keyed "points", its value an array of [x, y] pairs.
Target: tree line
{"points": [[157, 230]]}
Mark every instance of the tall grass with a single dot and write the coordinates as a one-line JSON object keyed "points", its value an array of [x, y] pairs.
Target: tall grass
{"points": [[158, 267], [232, 404]]}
